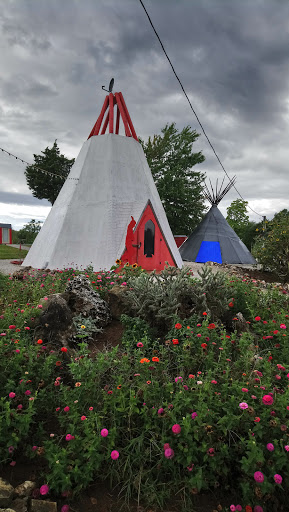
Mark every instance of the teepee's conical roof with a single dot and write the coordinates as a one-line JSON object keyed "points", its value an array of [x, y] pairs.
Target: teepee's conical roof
{"points": [[109, 182], [214, 239]]}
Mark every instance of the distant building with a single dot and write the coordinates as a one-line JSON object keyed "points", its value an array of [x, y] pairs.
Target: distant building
{"points": [[5, 234]]}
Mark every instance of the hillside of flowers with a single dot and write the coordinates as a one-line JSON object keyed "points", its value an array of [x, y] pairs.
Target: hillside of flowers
{"points": [[186, 404]]}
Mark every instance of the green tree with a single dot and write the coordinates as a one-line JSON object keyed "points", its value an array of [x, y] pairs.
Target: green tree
{"points": [[44, 185], [238, 219], [272, 246], [29, 232], [171, 159]]}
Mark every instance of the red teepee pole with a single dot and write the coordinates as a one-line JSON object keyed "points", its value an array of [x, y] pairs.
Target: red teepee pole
{"points": [[105, 124], [128, 117], [117, 121], [123, 115], [96, 128], [111, 98]]}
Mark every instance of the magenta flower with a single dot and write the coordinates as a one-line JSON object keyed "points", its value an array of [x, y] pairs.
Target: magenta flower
{"points": [[69, 437], [44, 489], [286, 447], [283, 326], [179, 379], [169, 453], [65, 508], [258, 508], [232, 508], [12, 394], [34, 448], [83, 418], [270, 447], [66, 409], [245, 390], [161, 411], [114, 454], [104, 432], [11, 449], [176, 429], [238, 508], [259, 477], [278, 479], [139, 344], [166, 445], [267, 400], [243, 405], [194, 415], [27, 392]]}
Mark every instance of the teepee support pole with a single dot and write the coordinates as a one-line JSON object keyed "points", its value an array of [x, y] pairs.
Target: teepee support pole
{"points": [[111, 113], [122, 112], [105, 124], [128, 117], [96, 128], [117, 121]]}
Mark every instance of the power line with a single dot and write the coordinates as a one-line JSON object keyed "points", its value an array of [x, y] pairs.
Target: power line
{"points": [[36, 166], [191, 106]]}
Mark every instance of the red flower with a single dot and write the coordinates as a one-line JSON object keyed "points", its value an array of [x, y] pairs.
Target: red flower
{"points": [[231, 304], [211, 326], [205, 314], [175, 342], [39, 342], [257, 318], [63, 349], [204, 345], [178, 326]]}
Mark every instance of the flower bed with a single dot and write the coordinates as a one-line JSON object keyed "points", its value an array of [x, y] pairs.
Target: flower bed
{"points": [[204, 407]]}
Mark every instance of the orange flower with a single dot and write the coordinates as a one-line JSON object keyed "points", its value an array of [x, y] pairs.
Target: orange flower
{"points": [[144, 360], [175, 342], [77, 384], [188, 327], [39, 342], [119, 387], [149, 381], [155, 360]]}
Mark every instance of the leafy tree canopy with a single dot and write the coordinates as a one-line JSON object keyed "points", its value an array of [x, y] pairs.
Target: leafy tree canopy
{"points": [[45, 186], [272, 246], [29, 232], [238, 219], [171, 159]]}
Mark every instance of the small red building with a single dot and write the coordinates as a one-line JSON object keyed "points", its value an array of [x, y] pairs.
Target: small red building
{"points": [[5, 234], [180, 239]]}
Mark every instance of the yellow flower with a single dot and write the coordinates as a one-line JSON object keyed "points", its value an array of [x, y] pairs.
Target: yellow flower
{"points": [[257, 229], [134, 265], [127, 264], [82, 327], [118, 262]]}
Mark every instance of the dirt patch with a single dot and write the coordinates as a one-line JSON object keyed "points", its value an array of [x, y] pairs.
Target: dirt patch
{"points": [[110, 337]]}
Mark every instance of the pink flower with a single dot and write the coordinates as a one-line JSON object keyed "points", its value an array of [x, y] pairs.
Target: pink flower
{"points": [[169, 453], [44, 489], [286, 447], [243, 405], [211, 452], [176, 429], [245, 390], [90, 409], [139, 344], [190, 467], [270, 447], [114, 454], [27, 392], [194, 415], [238, 508], [19, 407], [12, 394], [161, 411], [213, 382], [258, 508], [166, 445], [83, 418], [65, 508], [259, 477], [69, 437], [257, 318], [278, 479], [34, 448], [66, 409], [13, 463], [177, 379], [267, 400], [283, 326], [104, 432], [232, 508]]}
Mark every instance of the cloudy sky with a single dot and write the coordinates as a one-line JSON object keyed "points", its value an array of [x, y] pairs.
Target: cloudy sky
{"points": [[231, 56]]}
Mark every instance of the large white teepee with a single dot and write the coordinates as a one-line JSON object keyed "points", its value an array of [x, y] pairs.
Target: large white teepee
{"points": [[88, 222]]}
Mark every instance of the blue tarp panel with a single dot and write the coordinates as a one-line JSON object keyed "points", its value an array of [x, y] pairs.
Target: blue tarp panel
{"points": [[209, 251]]}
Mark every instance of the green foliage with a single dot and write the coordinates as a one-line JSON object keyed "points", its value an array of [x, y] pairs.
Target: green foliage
{"points": [[85, 326], [171, 160], [46, 186], [272, 246], [8, 252], [29, 232]]}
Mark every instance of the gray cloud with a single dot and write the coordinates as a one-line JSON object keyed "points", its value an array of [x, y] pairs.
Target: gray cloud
{"points": [[232, 58]]}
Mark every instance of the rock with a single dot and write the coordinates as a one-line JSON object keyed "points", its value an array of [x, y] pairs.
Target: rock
{"points": [[25, 489], [6, 493], [7, 510], [116, 300], [82, 299], [43, 506], [20, 505], [22, 273], [55, 321]]}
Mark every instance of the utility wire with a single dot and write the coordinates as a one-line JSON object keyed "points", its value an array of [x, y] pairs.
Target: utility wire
{"points": [[36, 166], [191, 106]]}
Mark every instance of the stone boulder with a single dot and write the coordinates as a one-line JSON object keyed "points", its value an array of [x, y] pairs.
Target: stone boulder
{"points": [[82, 299], [55, 322], [116, 300], [25, 489], [6, 493]]}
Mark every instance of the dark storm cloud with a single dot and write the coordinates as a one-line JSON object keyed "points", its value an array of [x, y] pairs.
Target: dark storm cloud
{"points": [[22, 199], [232, 58]]}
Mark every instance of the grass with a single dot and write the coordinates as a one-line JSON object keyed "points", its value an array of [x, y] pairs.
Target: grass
{"points": [[12, 253]]}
